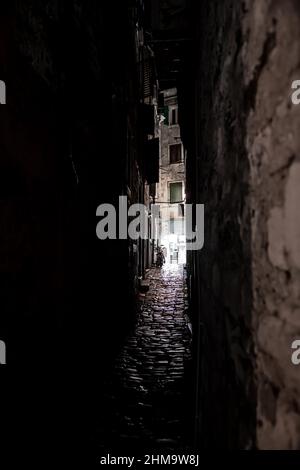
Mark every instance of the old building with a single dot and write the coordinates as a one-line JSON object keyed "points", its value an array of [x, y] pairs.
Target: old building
{"points": [[171, 186]]}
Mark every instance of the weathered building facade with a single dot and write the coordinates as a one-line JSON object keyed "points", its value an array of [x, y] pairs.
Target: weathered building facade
{"points": [[171, 186]]}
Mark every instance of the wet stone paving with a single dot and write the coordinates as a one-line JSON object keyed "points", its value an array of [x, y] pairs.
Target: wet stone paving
{"points": [[147, 399]]}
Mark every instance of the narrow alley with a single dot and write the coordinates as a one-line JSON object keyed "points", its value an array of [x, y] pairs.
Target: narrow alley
{"points": [[147, 400], [149, 227]]}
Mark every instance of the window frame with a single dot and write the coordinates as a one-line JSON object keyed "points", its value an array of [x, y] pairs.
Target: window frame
{"points": [[181, 153], [171, 109], [182, 191]]}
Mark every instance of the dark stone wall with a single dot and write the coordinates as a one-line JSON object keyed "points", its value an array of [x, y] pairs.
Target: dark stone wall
{"points": [[218, 177], [239, 128]]}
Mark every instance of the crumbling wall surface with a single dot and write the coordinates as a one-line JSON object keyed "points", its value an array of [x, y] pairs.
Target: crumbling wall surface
{"points": [[246, 170], [271, 58]]}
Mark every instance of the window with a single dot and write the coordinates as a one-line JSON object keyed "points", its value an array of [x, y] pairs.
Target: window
{"points": [[173, 116], [175, 192], [175, 153]]}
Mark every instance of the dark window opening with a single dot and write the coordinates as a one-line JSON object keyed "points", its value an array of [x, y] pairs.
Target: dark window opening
{"points": [[174, 120], [175, 153]]}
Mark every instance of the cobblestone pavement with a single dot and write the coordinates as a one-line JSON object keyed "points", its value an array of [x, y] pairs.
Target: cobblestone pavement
{"points": [[147, 400]]}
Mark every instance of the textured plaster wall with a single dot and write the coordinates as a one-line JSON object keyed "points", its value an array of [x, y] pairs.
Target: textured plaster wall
{"points": [[169, 173]]}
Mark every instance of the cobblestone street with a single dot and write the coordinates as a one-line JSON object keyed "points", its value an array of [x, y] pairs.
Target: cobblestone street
{"points": [[147, 400]]}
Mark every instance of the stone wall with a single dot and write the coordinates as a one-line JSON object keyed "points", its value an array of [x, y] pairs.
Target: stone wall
{"points": [[271, 58], [243, 164]]}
